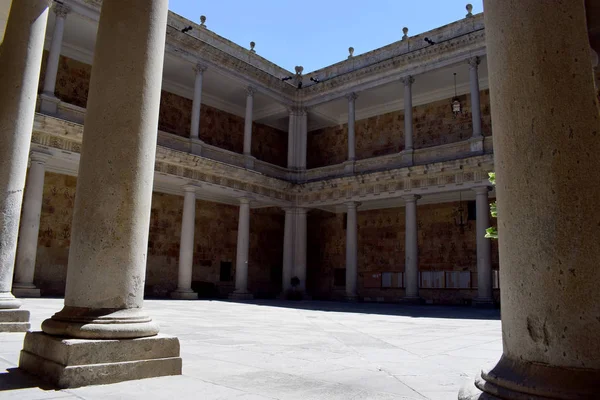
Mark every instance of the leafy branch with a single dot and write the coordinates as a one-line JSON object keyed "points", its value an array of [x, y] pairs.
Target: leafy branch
{"points": [[492, 232]]}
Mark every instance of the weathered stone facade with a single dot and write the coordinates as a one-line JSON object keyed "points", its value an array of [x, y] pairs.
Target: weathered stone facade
{"points": [[434, 124]]}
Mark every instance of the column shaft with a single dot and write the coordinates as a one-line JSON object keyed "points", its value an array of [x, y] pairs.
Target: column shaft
{"points": [[288, 249], [29, 229], [408, 113], [351, 133], [484, 247], [351, 252], [411, 264], [546, 125], [111, 218], [243, 243], [292, 139], [20, 63], [186, 247], [300, 248], [248, 121], [61, 12], [197, 102], [475, 102], [302, 138]]}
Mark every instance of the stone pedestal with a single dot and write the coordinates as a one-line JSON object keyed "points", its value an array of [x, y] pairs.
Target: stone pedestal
{"points": [[70, 363], [546, 146], [20, 63], [14, 321]]}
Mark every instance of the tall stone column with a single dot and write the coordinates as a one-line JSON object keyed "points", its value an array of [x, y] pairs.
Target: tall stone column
{"points": [[30, 227], [411, 263], [186, 248], [291, 155], [241, 259], [546, 143], [197, 102], [408, 113], [484, 249], [248, 127], [300, 248], [20, 63], [49, 102], [111, 218], [302, 132], [351, 134], [288, 251], [475, 101], [351, 252]]}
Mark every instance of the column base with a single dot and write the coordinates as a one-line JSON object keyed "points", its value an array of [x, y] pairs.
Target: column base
{"points": [[407, 157], [351, 298], [528, 381], [249, 161], [49, 104], [196, 146], [349, 166], [484, 303], [184, 295], [412, 300], [476, 144], [25, 291], [14, 321], [241, 296], [69, 363]]}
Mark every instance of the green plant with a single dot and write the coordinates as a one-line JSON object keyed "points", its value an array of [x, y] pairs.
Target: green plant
{"points": [[492, 232]]}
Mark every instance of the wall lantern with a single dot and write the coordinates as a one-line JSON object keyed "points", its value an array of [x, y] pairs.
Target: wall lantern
{"points": [[456, 106]]}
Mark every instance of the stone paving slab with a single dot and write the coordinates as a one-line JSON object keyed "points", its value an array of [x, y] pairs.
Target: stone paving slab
{"points": [[266, 350]]}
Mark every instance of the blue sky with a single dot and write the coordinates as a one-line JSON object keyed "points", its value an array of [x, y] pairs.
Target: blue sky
{"points": [[315, 33]]}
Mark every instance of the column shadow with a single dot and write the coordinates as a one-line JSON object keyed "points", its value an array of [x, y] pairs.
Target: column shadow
{"points": [[15, 379]]}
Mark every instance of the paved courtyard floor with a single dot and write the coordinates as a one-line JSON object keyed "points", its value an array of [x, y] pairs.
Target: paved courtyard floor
{"points": [[292, 350]]}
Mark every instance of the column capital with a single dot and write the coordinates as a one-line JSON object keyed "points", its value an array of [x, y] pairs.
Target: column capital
{"points": [[250, 90], [199, 68], [352, 96], [474, 62], [189, 188], [411, 198], [482, 190], [352, 204], [39, 157], [244, 200], [407, 80], [61, 10], [298, 110]]}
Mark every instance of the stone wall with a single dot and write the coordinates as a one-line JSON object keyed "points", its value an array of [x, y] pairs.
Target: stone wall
{"points": [[434, 124], [442, 247], [217, 127], [215, 242]]}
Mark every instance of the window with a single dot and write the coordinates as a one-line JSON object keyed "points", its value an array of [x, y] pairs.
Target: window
{"points": [[225, 272], [432, 279], [458, 279], [339, 277]]}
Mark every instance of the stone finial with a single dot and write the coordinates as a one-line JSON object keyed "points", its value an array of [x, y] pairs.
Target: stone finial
{"points": [[351, 51], [299, 69], [202, 21], [252, 44], [405, 31], [469, 10]]}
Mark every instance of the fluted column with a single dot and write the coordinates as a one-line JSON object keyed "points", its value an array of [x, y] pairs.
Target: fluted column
{"points": [[408, 113], [49, 102], [248, 127], [411, 263], [30, 227], [351, 251], [351, 133], [241, 259], [186, 248], [197, 102], [475, 101], [20, 63], [288, 250], [546, 146], [484, 248], [111, 218]]}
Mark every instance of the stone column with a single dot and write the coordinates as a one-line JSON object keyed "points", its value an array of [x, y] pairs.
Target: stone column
{"points": [[408, 113], [411, 264], [351, 252], [300, 248], [248, 127], [484, 249], [197, 102], [241, 260], [475, 102], [351, 134], [292, 163], [49, 102], [111, 218], [288, 251], [546, 143], [20, 63], [302, 133], [30, 226], [186, 248]]}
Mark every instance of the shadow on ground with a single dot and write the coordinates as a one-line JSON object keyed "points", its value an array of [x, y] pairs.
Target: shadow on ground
{"points": [[15, 379]]}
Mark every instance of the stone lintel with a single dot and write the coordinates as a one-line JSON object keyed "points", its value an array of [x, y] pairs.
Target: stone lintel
{"points": [[14, 321], [69, 363]]}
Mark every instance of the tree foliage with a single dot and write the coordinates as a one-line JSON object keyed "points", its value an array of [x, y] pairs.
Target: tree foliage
{"points": [[492, 232]]}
